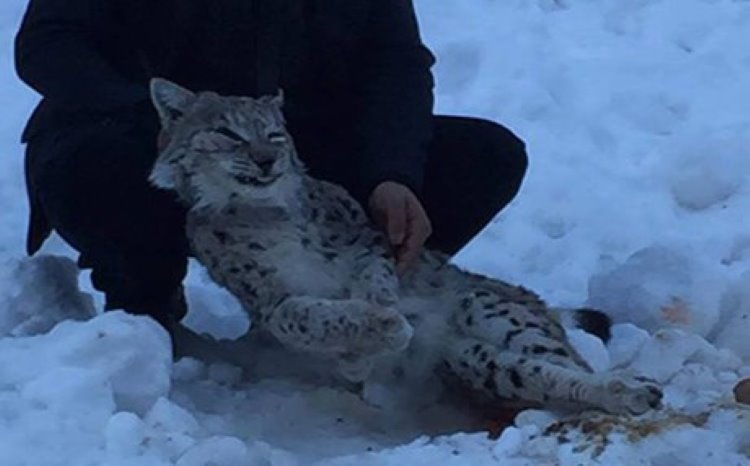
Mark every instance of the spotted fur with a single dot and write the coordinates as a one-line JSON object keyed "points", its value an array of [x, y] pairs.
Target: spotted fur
{"points": [[302, 257]]}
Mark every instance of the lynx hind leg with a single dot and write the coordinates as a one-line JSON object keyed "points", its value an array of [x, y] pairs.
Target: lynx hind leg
{"points": [[627, 392], [509, 376], [517, 322], [338, 327]]}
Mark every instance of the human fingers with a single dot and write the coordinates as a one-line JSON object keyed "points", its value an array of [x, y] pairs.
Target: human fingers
{"points": [[418, 230], [396, 220]]}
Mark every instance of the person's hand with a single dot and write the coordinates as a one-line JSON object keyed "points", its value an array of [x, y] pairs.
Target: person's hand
{"points": [[396, 209]]}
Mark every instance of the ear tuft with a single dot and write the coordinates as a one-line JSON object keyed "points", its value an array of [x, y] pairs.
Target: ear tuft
{"points": [[171, 101], [278, 99]]}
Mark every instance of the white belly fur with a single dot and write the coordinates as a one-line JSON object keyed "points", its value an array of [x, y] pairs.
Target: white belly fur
{"points": [[305, 273]]}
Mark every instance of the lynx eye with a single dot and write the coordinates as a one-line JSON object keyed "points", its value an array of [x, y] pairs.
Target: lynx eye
{"points": [[216, 140], [277, 137], [226, 132]]}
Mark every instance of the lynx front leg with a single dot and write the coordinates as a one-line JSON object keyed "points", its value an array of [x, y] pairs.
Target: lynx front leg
{"points": [[504, 375], [338, 327], [376, 281]]}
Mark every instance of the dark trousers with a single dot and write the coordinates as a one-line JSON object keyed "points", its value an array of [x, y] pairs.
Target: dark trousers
{"points": [[90, 186]]}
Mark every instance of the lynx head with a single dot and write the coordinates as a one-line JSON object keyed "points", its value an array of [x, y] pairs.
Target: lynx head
{"points": [[223, 149]]}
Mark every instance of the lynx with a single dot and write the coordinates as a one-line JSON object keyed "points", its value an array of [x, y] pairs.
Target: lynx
{"points": [[303, 258]]}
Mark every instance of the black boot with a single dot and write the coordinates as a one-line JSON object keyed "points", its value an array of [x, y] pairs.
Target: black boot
{"points": [[168, 310]]}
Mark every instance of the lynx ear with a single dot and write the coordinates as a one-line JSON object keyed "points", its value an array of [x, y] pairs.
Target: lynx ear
{"points": [[171, 101], [277, 103], [278, 99]]}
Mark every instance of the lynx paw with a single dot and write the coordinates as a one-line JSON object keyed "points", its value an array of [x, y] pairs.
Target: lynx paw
{"points": [[632, 394], [385, 330], [354, 369]]}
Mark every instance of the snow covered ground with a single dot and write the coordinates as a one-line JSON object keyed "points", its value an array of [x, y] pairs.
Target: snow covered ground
{"points": [[636, 201]]}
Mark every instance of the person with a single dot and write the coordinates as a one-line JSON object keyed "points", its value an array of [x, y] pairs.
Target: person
{"points": [[358, 100]]}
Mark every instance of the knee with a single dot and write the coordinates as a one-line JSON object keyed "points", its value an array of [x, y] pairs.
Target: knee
{"points": [[499, 156], [505, 151]]}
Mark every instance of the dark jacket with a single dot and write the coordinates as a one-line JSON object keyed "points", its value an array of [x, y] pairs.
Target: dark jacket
{"points": [[355, 73]]}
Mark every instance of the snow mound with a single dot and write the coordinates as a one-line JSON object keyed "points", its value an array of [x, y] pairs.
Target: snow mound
{"points": [[709, 169], [59, 390], [656, 287], [43, 291], [591, 349], [669, 350], [213, 309], [626, 342]]}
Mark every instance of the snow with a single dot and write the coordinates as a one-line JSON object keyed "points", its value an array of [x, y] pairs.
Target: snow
{"points": [[735, 317], [28, 312], [660, 286], [634, 112]]}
